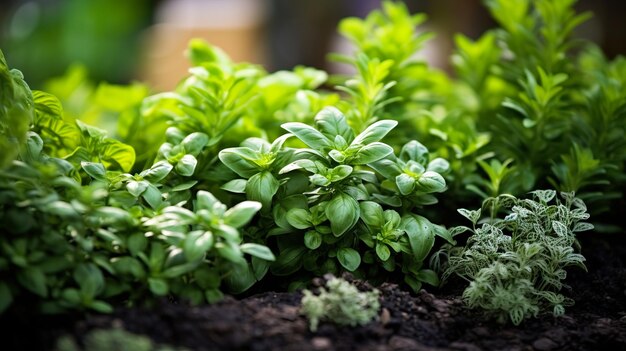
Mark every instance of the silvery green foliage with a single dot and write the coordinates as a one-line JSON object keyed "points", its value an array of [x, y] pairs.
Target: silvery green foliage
{"points": [[341, 303], [515, 265]]}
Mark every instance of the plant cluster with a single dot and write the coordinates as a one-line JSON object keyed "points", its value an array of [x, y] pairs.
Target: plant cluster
{"points": [[515, 265], [341, 303], [239, 173]]}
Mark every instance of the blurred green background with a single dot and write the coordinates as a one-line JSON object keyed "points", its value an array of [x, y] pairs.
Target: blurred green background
{"points": [[44, 37]]}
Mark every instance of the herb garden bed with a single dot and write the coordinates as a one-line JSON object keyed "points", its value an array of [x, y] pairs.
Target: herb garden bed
{"points": [[252, 184], [435, 320]]}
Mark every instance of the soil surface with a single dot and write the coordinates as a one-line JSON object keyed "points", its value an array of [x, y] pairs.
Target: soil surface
{"points": [[429, 320]]}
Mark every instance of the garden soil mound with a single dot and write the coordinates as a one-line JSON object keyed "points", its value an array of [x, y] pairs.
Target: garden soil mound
{"points": [[435, 320]]}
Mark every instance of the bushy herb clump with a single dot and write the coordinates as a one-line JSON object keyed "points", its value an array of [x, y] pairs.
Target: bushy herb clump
{"points": [[516, 265], [341, 303]]}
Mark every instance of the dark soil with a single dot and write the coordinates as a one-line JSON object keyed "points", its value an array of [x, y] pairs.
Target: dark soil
{"points": [[435, 320]]}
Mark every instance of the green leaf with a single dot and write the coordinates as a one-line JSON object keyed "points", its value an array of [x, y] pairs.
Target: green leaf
{"points": [[205, 201], [308, 135], [230, 251], [332, 122], [213, 295], [414, 151], [235, 186], [33, 279], [34, 146], [349, 258], [256, 250], [431, 182], [382, 251], [374, 132], [158, 286], [61, 209], [101, 306], [299, 164], [428, 276], [157, 172], [136, 188], [343, 212], [340, 172], [438, 165], [372, 214], [240, 278], [90, 279], [421, 235], [319, 180], [560, 229], [196, 244], [152, 195], [371, 153], [95, 170], [240, 160], [387, 167], [130, 266], [186, 166], [179, 270], [184, 186], [260, 267], [6, 298], [299, 218], [405, 183], [117, 154], [288, 261], [137, 243], [195, 142], [473, 216], [312, 239], [241, 213], [262, 187]]}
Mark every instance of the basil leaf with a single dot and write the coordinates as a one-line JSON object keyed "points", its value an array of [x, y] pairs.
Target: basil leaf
{"points": [[187, 165], [421, 235], [240, 160], [158, 286], [195, 142], [405, 183], [332, 122], [374, 132], [256, 250], [299, 218], [308, 135], [152, 195], [372, 214], [157, 172], [95, 170], [343, 212], [382, 251], [349, 258], [196, 244], [431, 182], [235, 186], [262, 187], [371, 153], [312, 239], [241, 213]]}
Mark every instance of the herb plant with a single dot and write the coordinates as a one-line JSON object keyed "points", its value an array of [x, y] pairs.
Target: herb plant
{"points": [[340, 302], [516, 265]]}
